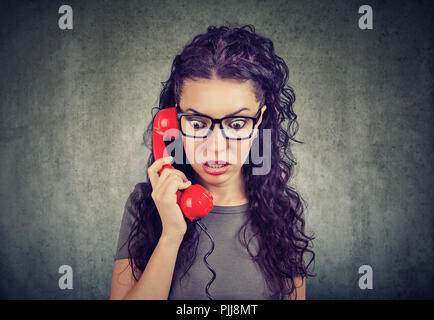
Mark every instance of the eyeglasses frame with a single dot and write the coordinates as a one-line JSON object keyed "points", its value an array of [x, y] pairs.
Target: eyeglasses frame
{"points": [[219, 121]]}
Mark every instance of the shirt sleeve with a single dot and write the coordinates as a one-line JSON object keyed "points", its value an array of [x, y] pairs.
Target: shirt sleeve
{"points": [[128, 219]]}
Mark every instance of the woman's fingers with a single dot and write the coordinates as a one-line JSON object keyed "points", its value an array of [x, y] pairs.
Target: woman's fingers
{"points": [[170, 174], [165, 191], [169, 171], [155, 167], [159, 181], [173, 183]]}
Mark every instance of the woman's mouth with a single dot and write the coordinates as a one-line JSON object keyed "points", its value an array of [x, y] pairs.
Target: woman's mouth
{"points": [[215, 167]]}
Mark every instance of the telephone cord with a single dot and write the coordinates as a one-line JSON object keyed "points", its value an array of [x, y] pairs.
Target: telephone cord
{"points": [[203, 227]]}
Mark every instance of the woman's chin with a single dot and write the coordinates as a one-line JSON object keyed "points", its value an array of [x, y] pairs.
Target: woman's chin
{"points": [[214, 179]]}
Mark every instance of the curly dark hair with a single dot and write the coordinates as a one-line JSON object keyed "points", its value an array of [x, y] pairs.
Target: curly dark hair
{"points": [[275, 209]]}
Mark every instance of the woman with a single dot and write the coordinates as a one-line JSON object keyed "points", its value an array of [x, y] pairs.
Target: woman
{"points": [[257, 220]]}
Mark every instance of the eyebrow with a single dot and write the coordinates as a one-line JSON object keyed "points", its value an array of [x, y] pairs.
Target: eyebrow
{"points": [[231, 114]]}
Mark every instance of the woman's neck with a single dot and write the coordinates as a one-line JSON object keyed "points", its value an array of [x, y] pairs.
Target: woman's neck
{"points": [[229, 193]]}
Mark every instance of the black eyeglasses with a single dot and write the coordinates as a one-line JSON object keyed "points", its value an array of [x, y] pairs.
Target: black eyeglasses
{"points": [[198, 126]]}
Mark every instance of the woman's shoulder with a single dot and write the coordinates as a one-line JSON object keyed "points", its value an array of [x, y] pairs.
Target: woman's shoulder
{"points": [[140, 194], [142, 188]]}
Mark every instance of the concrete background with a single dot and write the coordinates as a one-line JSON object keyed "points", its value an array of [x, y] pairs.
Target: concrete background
{"points": [[75, 103]]}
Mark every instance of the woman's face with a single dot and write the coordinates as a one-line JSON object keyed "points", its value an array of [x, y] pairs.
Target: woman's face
{"points": [[218, 98]]}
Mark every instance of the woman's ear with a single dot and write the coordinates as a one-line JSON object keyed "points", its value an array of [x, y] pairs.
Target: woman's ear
{"points": [[262, 115], [255, 134], [255, 131]]}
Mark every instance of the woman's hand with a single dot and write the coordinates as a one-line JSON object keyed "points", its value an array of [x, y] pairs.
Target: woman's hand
{"points": [[164, 190]]}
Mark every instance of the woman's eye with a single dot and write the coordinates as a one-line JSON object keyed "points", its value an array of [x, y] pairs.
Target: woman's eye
{"points": [[237, 124], [196, 124]]}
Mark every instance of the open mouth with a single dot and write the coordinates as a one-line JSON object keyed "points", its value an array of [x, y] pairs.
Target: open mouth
{"points": [[216, 167], [216, 164]]}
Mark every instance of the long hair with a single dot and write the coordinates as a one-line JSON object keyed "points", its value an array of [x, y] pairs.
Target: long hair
{"points": [[275, 209]]}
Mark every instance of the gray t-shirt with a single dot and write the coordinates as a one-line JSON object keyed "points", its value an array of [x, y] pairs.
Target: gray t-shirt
{"points": [[237, 276]]}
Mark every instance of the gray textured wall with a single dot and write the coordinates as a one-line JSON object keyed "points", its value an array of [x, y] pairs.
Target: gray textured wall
{"points": [[74, 105]]}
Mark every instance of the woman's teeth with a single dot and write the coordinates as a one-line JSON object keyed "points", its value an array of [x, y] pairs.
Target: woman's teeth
{"points": [[215, 165]]}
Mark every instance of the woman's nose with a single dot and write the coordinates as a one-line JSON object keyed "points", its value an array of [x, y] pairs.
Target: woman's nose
{"points": [[216, 142]]}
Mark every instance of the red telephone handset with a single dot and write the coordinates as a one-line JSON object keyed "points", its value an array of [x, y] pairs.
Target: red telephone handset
{"points": [[195, 201]]}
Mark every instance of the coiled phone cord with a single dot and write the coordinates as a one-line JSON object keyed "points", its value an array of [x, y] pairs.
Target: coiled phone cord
{"points": [[203, 227]]}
